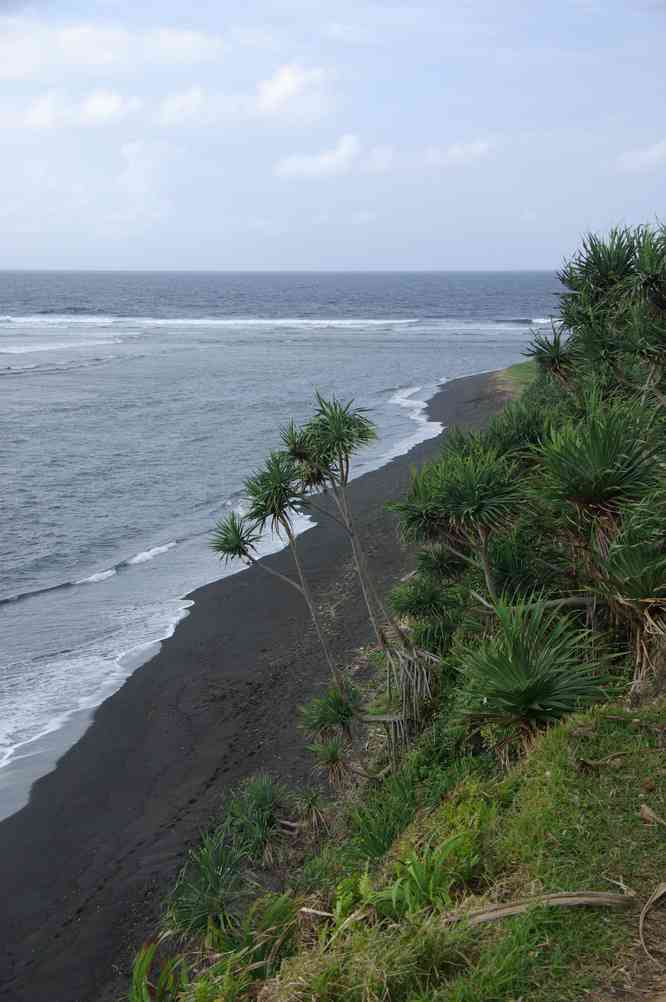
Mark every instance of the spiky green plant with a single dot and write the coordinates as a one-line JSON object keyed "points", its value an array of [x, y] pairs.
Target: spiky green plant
{"points": [[459, 501], [332, 713], [630, 577], [251, 816], [533, 671], [235, 538], [153, 981], [601, 462], [553, 356], [274, 494], [331, 759], [210, 890]]}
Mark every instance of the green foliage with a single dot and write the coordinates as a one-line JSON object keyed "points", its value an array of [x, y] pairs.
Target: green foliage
{"points": [[532, 672], [154, 981], [251, 816], [330, 758], [459, 497], [234, 538], [274, 492], [210, 889], [598, 463], [427, 878], [331, 714], [553, 356], [383, 814], [420, 597]]}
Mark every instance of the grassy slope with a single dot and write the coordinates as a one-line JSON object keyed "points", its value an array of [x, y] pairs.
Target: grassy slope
{"points": [[553, 823], [565, 818]]}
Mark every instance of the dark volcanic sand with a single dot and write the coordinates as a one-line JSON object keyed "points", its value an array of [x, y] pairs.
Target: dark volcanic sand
{"points": [[85, 865]]}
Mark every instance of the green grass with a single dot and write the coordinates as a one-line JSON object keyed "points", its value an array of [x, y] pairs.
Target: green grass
{"points": [[553, 823], [518, 377]]}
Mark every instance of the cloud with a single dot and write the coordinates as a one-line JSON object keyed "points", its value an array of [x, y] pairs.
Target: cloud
{"points": [[53, 110], [348, 155], [642, 161], [287, 83], [458, 154], [291, 90], [338, 160], [34, 50]]}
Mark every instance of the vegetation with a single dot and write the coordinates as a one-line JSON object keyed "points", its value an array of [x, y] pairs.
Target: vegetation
{"points": [[511, 745]]}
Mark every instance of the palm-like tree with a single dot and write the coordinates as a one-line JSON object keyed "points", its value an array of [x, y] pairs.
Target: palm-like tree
{"points": [[274, 495], [553, 356], [322, 451], [594, 466], [631, 578], [459, 501]]}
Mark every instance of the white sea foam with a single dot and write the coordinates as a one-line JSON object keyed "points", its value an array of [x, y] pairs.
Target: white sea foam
{"points": [[26, 349], [99, 576], [145, 555], [63, 320]]}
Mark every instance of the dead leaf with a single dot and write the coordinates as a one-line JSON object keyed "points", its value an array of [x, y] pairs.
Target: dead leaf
{"points": [[648, 785], [613, 761], [656, 895], [565, 899], [650, 817]]}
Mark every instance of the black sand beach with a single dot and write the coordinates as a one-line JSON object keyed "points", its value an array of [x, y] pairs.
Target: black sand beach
{"points": [[84, 867]]}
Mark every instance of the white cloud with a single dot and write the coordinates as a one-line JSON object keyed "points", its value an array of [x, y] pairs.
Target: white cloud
{"points": [[639, 161], [287, 83], [456, 155], [348, 156], [53, 110], [338, 160], [190, 106], [291, 90], [31, 49]]}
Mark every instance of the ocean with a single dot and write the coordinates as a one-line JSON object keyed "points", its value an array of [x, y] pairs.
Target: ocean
{"points": [[132, 406]]}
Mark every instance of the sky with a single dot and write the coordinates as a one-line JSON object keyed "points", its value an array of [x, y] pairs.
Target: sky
{"points": [[457, 134]]}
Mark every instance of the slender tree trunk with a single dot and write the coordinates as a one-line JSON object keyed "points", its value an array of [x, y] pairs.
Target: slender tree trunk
{"points": [[307, 595], [485, 563], [275, 574]]}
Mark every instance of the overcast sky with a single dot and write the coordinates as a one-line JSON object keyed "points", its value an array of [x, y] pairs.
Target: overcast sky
{"points": [[252, 135]]}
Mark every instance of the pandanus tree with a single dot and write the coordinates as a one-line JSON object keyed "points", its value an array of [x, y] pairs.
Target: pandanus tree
{"points": [[323, 450], [459, 501], [615, 307], [591, 468], [274, 494], [630, 577], [553, 357]]}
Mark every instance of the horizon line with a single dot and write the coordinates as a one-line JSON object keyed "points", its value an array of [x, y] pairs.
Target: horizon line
{"points": [[275, 271]]}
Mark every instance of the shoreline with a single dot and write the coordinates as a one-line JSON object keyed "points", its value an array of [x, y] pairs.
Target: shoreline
{"points": [[94, 851], [36, 757]]}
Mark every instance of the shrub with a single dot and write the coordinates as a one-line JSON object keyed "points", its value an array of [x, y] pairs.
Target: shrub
{"points": [[530, 673], [210, 889], [384, 814], [597, 464], [333, 713], [251, 816]]}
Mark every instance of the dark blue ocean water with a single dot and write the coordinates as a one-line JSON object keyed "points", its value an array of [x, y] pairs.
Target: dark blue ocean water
{"points": [[131, 408]]}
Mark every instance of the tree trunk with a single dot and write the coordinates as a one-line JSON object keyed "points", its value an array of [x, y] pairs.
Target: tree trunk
{"points": [[307, 595]]}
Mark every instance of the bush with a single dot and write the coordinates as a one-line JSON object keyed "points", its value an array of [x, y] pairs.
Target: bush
{"points": [[384, 814], [531, 673], [333, 713], [210, 889], [251, 817]]}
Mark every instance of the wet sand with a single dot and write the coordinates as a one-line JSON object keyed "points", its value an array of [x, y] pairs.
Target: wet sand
{"points": [[85, 866]]}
